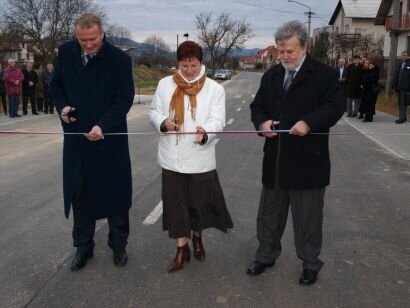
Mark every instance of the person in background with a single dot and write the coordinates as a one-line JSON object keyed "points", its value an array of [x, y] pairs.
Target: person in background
{"points": [[353, 91], [13, 77], [192, 196], [370, 82], [402, 86], [341, 70], [39, 88], [29, 88], [47, 77], [3, 90]]}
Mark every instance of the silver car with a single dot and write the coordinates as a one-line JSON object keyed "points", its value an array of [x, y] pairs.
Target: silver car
{"points": [[223, 74]]}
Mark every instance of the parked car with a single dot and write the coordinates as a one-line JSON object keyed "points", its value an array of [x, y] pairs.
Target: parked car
{"points": [[223, 74]]}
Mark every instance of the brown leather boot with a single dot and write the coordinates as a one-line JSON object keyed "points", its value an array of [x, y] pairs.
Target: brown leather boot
{"points": [[199, 251], [183, 254]]}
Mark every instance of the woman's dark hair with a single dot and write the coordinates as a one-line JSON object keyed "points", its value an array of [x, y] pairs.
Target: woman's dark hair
{"points": [[189, 49]]}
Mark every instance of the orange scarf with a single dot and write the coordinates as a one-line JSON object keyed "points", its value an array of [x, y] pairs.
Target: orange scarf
{"points": [[176, 110]]}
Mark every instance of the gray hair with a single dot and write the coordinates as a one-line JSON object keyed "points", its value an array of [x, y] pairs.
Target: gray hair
{"points": [[11, 60], [291, 29]]}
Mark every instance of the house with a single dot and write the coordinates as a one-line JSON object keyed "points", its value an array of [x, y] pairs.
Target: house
{"points": [[384, 17], [268, 56], [354, 28], [248, 62], [21, 52]]}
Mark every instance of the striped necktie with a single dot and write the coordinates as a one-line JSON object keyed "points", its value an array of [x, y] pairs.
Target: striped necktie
{"points": [[288, 80]]}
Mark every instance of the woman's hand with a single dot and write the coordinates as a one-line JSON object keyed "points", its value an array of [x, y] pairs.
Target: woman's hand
{"points": [[170, 125], [201, 137]]}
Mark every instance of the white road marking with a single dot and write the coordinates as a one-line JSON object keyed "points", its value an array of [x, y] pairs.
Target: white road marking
{"points": [[243, 102], [253, 95], [154, 215], [238, 96], [239, 109], [230, 121]]}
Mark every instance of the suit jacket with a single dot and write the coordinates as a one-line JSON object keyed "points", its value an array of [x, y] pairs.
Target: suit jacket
{"points": [[316, 97], [102, 93], [354, 80]]}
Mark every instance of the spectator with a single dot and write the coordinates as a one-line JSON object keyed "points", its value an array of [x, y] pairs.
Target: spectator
{"points": [[3, 90], [353, 82], [341, 70], [29, 88], [47, 77], [13, 78], [39, 89], [402, 86], [370, 81]]}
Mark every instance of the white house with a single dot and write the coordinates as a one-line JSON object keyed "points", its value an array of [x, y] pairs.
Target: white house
{"points": [[384, 17], [352, 20]]}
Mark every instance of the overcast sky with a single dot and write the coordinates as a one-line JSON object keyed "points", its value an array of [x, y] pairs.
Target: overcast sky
{"points": [[167, 18]]}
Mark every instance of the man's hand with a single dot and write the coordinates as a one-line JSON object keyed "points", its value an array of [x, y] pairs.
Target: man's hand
{"points": [[65, 116], [200, 132], [300, 129], [30, 83], [17, 82], [95, 134], [267, 125]]}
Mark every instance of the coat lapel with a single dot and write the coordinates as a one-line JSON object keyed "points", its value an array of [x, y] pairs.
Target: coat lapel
{"points": [[303, 73]]}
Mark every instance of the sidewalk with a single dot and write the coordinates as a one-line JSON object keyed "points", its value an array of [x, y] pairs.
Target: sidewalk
{"points": [[381, 130]]}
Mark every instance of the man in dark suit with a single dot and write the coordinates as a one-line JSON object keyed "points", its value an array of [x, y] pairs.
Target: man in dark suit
{"points": [[29, 88], [353, 90], [93, 91], [303, 96], [401, 85]]}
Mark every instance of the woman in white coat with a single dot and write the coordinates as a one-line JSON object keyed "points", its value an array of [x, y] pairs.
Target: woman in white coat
{"points": [[192, 196]]}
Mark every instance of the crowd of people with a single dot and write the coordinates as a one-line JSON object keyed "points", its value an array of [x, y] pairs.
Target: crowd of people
{"points": [[360, 79], [31, 85]]}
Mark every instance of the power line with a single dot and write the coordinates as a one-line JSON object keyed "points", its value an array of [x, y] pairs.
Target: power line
{"points": [[266, 8]]}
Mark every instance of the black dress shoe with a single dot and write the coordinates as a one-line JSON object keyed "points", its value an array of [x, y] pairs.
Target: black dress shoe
{"points": [[308, 277], [17, 116], [35, 113], [120, 257], [257, 268], [399, 121], [80, 260]]}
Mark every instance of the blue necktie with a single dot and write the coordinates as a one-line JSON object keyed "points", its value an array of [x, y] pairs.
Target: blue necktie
{"points": [[288, 80]]}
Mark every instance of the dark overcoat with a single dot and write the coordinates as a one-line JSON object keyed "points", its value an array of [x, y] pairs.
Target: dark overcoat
{"points": [[316, 97], [29, 76], [102, 93], [353, 80]]}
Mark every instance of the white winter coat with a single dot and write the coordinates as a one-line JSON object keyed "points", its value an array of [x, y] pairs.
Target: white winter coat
{"points": [[186, 156]]}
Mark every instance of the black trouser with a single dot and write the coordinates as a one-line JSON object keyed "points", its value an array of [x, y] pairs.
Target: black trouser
{"points": [[40, 103], [84, 224], [48, 103], [403, 96], [32, 98], [4, 102]]}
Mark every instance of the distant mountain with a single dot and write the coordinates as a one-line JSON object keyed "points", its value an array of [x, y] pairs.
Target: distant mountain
{"points": [[244, 52], [141, 48]]}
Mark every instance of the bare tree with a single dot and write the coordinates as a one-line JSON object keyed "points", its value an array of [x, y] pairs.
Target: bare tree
{"points": [[220, 35], [116, 33], [46, 23], [157, 42]]}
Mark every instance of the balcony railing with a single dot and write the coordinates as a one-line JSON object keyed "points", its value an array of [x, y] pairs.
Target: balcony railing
{"points": [[404, 22]]}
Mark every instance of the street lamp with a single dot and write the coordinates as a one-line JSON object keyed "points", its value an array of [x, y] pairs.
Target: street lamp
{"points": [[308, 13], [186, 35]]}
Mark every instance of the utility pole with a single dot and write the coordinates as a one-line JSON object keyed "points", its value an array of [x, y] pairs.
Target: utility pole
{"points": [[309, 14], [394, 34]]}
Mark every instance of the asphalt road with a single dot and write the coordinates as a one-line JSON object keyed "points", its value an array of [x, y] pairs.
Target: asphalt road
{"points": [[366, 246]]}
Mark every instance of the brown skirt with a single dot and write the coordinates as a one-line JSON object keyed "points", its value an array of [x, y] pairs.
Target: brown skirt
{"points": [[193, 202]]}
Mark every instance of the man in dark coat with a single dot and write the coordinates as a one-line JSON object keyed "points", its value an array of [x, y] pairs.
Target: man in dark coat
{"points": [[353, 91], [303, 96], [402, 86], [29, 88], [93, 91]]}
